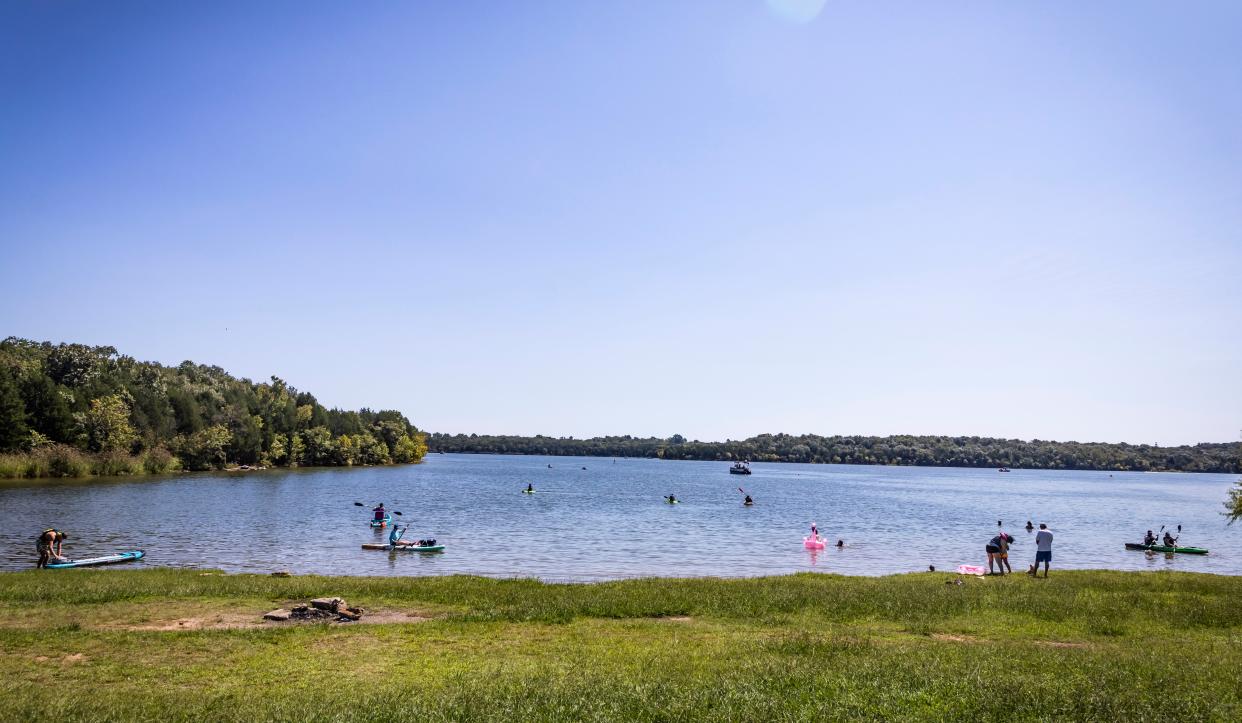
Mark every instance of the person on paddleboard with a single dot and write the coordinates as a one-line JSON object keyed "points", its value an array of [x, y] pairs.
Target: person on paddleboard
{"points": [[380, 512], [530, 487], [394, 537]]}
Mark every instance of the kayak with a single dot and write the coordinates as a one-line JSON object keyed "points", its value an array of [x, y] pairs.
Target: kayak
{"points": [[414, 548], [382, 523], [528, 492], [105, 560], [407, 548], [1163, 548], [673, 502]]}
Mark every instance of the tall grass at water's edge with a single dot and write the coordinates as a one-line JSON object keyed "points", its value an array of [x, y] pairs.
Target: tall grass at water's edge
{"points": [[59, 460], [1108, 602]]}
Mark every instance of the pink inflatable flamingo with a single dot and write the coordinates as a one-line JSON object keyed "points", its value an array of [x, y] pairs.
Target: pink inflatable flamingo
{"points": [[814, 541]]}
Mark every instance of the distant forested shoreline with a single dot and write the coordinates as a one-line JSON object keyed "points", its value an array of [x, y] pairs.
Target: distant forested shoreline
{"points": [[922, 451], [71, 410]]}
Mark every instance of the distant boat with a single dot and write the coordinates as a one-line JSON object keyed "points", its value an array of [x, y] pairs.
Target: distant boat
{"points": [[1003, 469], [740, 468]]}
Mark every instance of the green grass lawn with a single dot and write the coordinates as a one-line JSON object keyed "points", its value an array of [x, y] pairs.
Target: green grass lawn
{"points": [[176, 644]]}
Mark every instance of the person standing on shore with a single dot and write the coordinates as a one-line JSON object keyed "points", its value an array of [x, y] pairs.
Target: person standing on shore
{"points": [[48, 545], [1043, 548], [998, 552]]}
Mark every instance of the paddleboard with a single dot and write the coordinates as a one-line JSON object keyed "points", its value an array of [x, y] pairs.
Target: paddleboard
{"points": [[404, 548], [104, 560]]}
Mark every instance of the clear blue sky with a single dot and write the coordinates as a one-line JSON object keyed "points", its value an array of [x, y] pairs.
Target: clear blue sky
{"points": [[1018, 219]]}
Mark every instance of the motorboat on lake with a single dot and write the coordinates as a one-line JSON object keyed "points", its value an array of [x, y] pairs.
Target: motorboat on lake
{"points": [[740, 468]]}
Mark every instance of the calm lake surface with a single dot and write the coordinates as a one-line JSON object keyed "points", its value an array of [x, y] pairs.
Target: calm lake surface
{"points": [[609, 521]]}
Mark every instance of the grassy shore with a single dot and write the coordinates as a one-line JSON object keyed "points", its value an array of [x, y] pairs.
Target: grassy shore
{"points": [[174, 644]]}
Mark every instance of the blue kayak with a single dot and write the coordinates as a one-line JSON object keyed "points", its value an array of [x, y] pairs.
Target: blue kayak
{"points": [[382, 523], [105, 560]]}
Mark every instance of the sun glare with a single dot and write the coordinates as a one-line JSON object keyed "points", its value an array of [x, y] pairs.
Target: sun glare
{"points": [[798, 11]]}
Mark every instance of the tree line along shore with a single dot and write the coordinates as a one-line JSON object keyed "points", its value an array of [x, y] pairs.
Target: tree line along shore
{"points": [[922, 451], [72, 410]]}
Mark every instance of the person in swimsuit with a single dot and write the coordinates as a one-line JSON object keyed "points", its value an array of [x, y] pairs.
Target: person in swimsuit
{"points": [[48, 545], [998, 552]]}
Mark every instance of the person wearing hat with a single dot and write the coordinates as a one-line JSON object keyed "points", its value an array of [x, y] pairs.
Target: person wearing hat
{"points": [[48, 545]]}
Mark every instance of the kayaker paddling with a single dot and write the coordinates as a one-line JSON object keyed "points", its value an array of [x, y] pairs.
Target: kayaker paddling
{"points": [[379, 513], [1149, 538]]}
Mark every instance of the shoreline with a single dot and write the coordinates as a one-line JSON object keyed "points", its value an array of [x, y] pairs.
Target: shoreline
{"points": [[139, 475], [193, 644]]}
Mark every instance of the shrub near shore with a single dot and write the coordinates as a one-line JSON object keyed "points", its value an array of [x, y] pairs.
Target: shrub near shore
{"points": [[59, 460], [184, 644]]}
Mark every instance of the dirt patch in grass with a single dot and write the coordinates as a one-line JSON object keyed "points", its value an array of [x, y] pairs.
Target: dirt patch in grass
{"points": [[1061, 644], [946, 637], [383, 617], [68, 659], [226, 621], [241, 621]]}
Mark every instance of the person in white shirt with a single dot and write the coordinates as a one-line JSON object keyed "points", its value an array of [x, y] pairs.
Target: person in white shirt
{"points": [[1043, 548]]}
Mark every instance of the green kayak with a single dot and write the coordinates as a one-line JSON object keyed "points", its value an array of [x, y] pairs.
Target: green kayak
{"points": [[1163, 548]]}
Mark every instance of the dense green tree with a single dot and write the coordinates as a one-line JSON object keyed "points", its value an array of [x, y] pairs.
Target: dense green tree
{"points": [[13, 430], [205, 449], [93, 398], [47, 408], [1233, 508], [106, 425]]}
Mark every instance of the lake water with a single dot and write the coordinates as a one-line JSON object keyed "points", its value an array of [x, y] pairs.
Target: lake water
{"points": [[609, 520]]}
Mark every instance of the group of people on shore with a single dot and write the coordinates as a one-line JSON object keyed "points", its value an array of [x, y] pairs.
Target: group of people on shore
{"points": [[997, 549]]}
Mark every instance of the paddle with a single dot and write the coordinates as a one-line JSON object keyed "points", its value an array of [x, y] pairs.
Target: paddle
{"points": [[359, 504]]}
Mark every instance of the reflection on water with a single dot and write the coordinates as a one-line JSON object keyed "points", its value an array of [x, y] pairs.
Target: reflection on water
{"points": [[610, 520]]}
